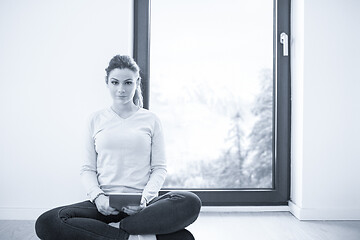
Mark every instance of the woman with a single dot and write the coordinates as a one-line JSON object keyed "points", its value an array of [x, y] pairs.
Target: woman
{"points": [[124, 153]]}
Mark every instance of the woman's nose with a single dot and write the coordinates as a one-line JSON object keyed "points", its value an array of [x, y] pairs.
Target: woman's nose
{"points": [[121, 89]]}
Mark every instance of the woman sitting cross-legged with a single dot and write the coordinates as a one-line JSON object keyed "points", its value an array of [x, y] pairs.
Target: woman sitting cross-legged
{"points": [[124, 153]]}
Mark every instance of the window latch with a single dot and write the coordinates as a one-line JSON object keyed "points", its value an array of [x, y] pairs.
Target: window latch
{"points": [[285, 43]]}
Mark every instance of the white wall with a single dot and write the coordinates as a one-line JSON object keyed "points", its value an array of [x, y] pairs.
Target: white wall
{"points": [[325, 109], [52, 60]]}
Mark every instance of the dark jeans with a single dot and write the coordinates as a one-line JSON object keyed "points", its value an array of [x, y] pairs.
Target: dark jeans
{"points": [[166, 216]]}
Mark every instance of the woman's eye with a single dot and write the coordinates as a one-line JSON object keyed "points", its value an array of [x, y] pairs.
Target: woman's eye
{"points": [[128, 83], [114, 83]]}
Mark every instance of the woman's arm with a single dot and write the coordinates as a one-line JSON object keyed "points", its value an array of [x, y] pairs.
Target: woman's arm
{"points": [[157, 164], [88, 170], [88, 173]]}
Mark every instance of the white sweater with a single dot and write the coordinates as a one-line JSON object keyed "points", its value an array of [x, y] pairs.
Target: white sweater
{"points": [[124, 155]]}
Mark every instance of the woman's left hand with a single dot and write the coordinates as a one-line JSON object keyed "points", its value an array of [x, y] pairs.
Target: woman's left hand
{"points": [[131, 210]]}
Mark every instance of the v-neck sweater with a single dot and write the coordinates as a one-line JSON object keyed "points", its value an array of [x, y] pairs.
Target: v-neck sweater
{"points": [[124, 154]]}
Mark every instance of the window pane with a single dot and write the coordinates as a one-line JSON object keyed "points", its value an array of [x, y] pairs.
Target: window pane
{"points": [[212, 87]]}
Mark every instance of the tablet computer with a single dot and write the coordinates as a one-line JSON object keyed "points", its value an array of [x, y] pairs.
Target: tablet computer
{"points": [[120, 200]]}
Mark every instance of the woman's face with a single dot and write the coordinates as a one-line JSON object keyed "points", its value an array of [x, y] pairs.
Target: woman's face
{"points": [[122, 84]]}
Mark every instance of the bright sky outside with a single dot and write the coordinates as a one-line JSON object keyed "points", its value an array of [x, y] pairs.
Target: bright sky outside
{"points": [[214, 49]]}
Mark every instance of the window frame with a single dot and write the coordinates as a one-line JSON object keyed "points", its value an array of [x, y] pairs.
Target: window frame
{"points": [[280, 193]]}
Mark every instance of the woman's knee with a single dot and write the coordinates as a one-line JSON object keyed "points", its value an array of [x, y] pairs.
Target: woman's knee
{"points": [[191, 200], [46, 226], [191, 204]]}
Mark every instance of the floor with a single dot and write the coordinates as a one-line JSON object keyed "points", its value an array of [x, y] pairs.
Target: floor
{"points": [[249, 226], [271, 226]]}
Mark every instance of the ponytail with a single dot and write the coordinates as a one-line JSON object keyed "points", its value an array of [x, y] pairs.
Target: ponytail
{"points": [[138, 98]]}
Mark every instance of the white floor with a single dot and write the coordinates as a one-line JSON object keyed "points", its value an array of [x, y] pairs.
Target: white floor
{"points": [[270, 226]]}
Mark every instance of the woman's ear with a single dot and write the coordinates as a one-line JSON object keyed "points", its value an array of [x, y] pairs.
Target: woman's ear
{"points": [[106, 80]]}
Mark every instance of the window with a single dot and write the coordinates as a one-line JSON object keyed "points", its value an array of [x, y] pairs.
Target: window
{"points": [[220, 103]]}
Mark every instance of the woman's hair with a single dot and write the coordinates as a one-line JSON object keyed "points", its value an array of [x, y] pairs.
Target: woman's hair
{"points": [[123, 62]]}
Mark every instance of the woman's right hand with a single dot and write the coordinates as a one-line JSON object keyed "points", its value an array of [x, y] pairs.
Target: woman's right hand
{"points": [[102, 205]]}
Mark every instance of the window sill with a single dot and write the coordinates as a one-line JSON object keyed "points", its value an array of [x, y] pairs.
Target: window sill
{"points": [[235, 209]]}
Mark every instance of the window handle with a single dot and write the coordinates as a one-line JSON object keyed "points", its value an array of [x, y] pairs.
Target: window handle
{"points": [[285, 43]]}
